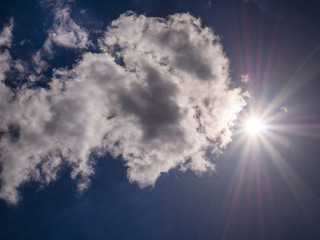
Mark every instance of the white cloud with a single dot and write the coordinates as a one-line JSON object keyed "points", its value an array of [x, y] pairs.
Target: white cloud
{"points": [[6, 34], [5, 58], [157, 95], [39, 64], [245, 78], [65, 32], [284, 108]]}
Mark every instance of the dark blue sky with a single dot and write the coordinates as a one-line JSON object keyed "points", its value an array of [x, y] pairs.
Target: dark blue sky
{"points": [[256, 196]]}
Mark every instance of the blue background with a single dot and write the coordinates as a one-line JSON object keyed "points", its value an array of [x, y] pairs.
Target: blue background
{"points": [[269, 40]]}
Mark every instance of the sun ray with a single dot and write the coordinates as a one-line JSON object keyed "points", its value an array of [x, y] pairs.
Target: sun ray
{"points": [[296, 185]]}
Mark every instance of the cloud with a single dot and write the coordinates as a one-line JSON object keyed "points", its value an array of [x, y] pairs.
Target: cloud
{"points": [[244, 78], [5, 60], [157, 95], [284, 108], [6, 35], [64, 33], [5, 41]]}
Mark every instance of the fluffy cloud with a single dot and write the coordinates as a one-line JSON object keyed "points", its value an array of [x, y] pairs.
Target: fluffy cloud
{"points": [[6, 34], [157, 95], [65, 32], [5, 58]]}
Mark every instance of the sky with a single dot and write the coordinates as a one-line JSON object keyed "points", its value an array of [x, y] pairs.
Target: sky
{"points": [[133, 119]]}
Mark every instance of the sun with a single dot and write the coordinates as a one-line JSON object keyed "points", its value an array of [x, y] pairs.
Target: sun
{"points": [[255, 126]]}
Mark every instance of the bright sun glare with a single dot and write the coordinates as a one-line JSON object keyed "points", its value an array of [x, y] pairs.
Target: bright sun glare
{"points": [[254, 126]]}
